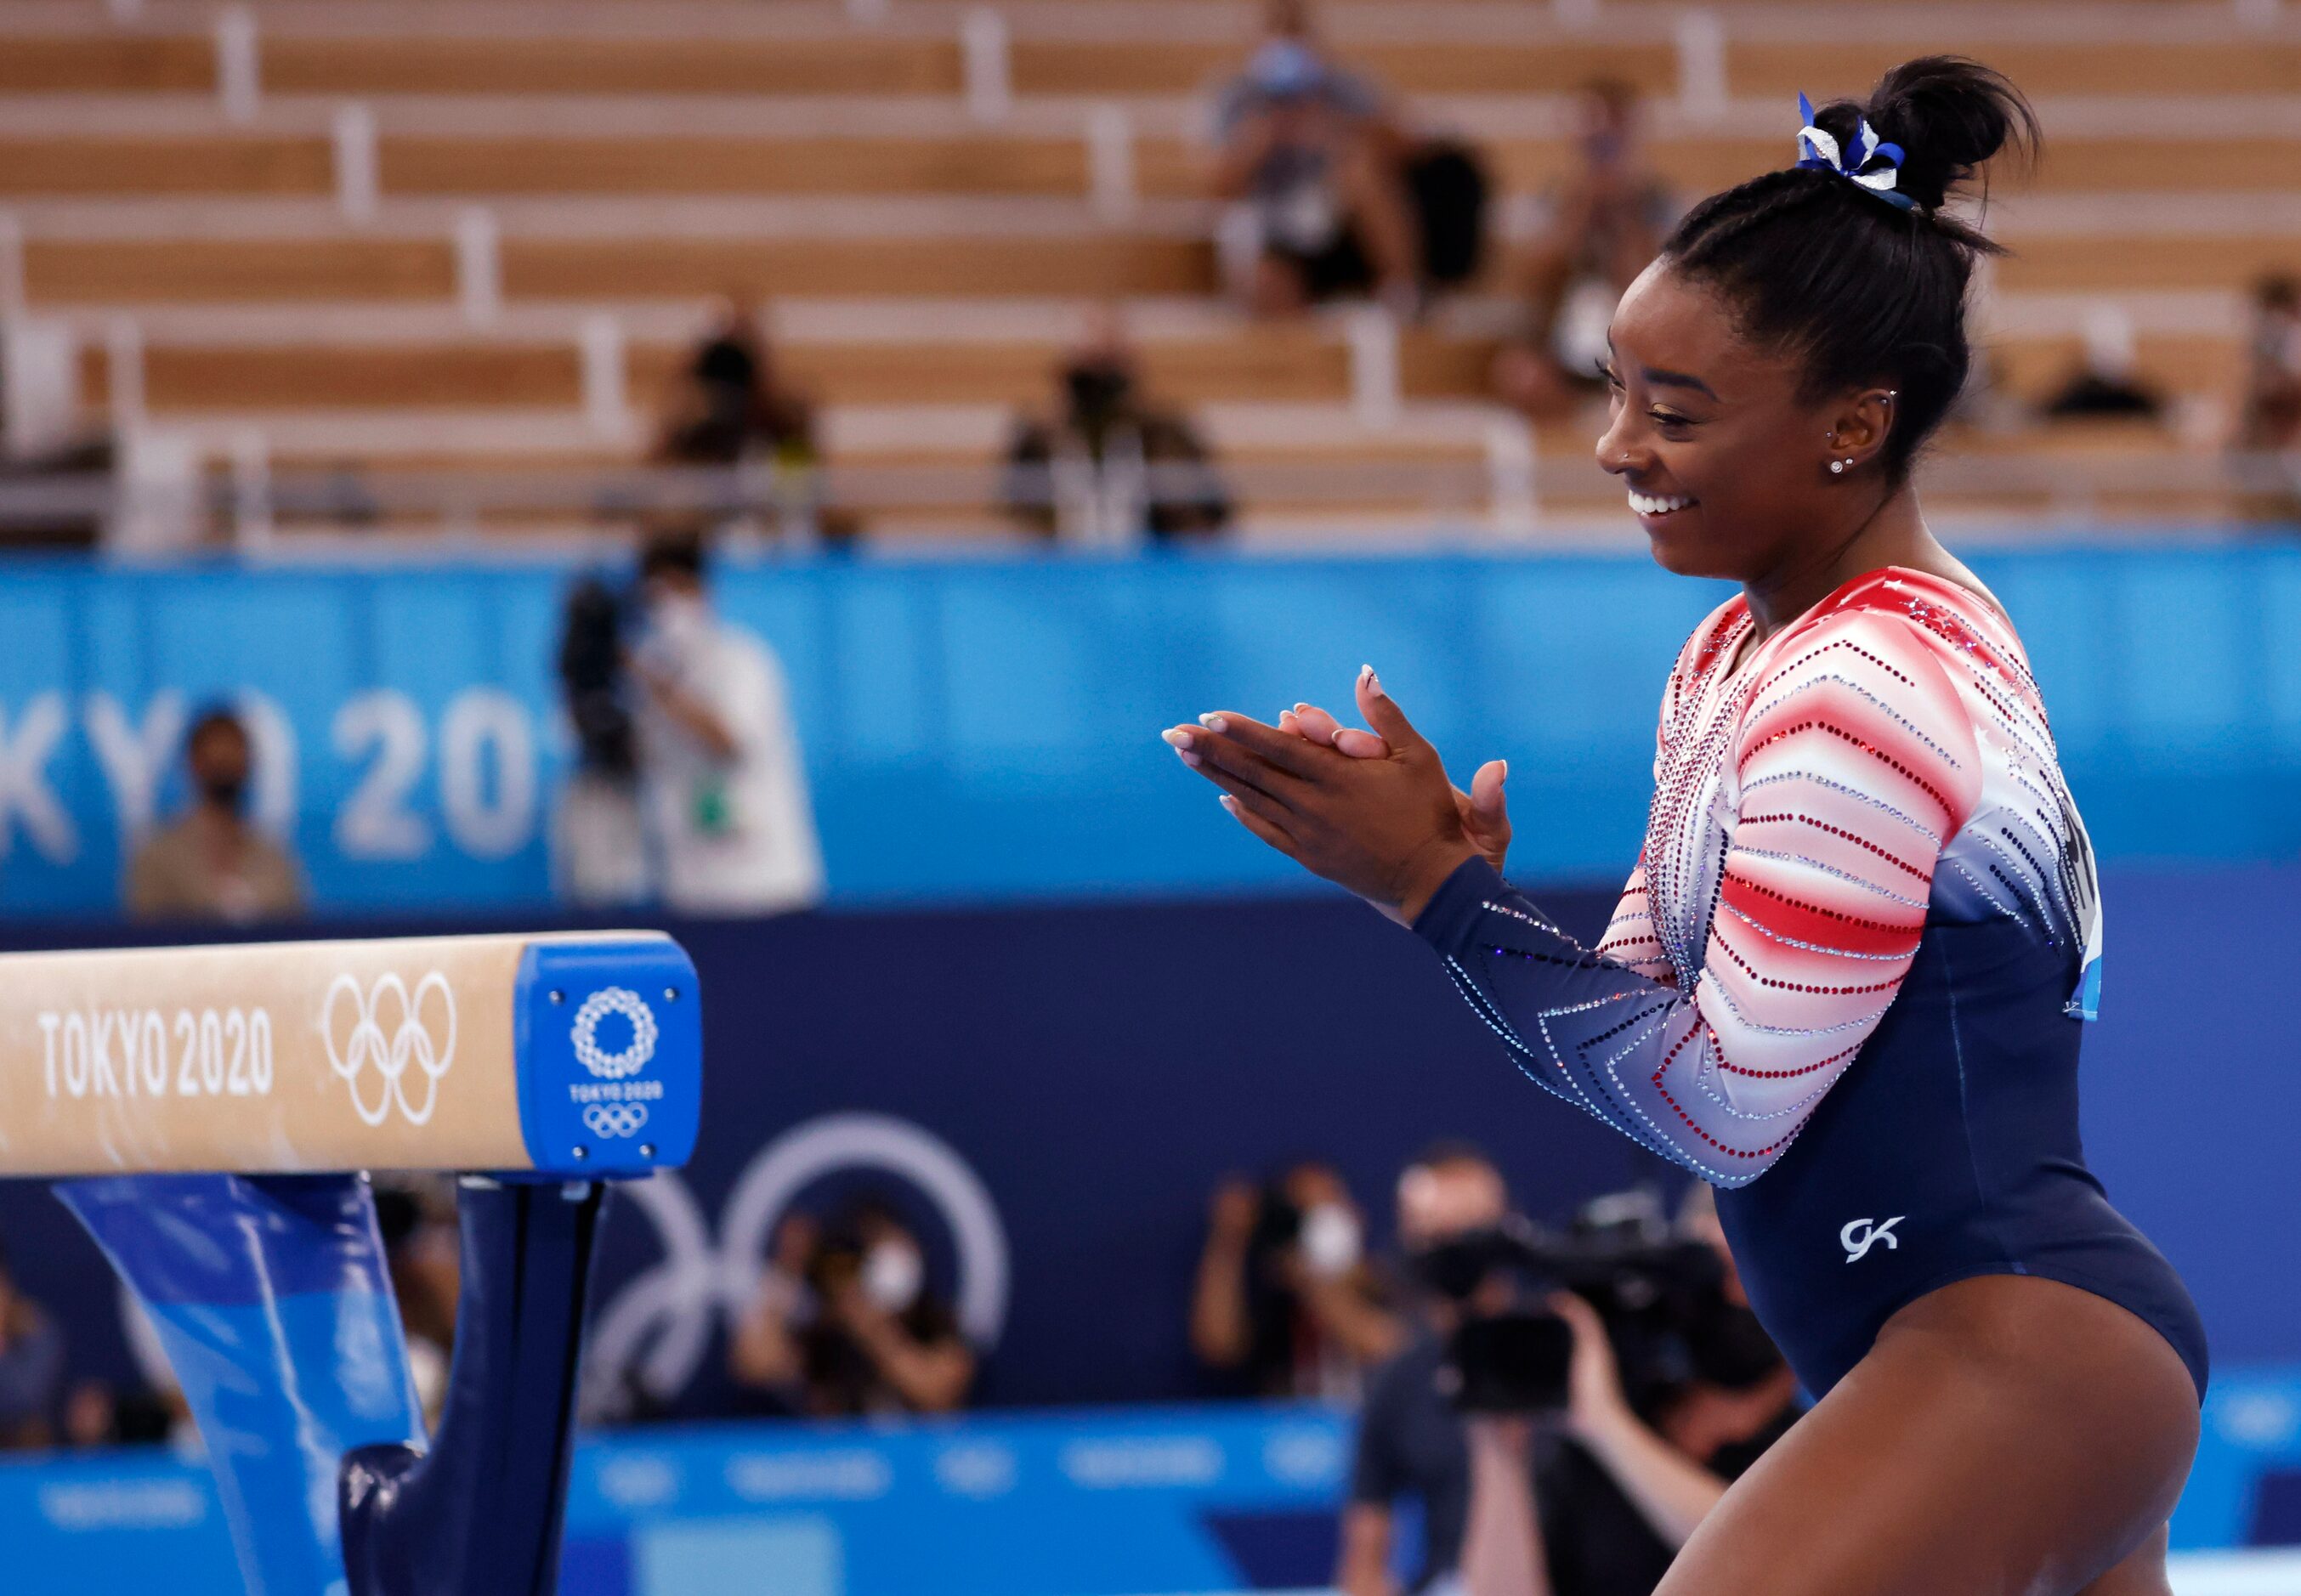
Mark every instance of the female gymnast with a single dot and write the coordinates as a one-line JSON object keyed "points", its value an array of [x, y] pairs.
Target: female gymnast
{"points": [[1843, 983]]}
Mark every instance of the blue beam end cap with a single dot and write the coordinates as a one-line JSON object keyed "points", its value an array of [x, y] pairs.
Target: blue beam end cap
{"points": [[610, 1033]]}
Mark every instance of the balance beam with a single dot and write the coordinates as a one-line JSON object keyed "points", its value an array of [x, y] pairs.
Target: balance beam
{"points": [[208, 1113]]}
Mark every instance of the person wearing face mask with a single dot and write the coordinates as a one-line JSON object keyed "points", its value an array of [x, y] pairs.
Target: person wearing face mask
{"points": [[721, 788], [1110, 467], [211, 863], [846, 1323], [1287, 1304]]}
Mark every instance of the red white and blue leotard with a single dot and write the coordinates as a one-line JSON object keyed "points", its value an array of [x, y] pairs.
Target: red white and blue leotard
{"points": [[1851, 959]]}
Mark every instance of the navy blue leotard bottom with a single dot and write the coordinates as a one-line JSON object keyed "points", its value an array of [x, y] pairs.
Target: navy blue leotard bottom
{"points": [[1951, 1148]]}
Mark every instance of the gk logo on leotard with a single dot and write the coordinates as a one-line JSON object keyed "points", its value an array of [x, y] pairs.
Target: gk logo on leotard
{"points": [[412, 1018], [1859, 1235]]}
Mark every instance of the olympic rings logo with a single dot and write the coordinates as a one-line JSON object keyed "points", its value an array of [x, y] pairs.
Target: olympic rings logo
{"points": [[615, 1119], [409, 1040], [628, 1060]]}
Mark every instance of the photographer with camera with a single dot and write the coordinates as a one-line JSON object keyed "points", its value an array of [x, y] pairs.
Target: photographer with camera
{"points": [[689, 783], [1572, 1406], [846, 1324], [1286, 1303]]}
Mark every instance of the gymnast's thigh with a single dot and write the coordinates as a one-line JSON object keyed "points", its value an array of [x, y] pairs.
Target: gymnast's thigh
{"points": [[2005, 1438]]}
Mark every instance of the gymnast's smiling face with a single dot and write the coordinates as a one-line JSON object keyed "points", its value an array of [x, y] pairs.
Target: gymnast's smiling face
{"points": [[1725, 461]]}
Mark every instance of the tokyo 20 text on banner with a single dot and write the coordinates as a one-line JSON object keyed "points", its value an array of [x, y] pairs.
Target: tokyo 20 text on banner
{"points": [[568, 1055], [212, 1109]]}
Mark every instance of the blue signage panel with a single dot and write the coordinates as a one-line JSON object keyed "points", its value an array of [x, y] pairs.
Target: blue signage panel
{"points": [[989, 727], [1093, 1503]]}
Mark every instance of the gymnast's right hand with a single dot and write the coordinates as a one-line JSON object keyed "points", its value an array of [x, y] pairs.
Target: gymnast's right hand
{"points": [[1484, 809]]}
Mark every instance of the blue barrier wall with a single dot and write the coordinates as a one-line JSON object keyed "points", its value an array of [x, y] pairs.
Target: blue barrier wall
{"points": [[989, 727], [1057, 1090], [1061, 1504]]}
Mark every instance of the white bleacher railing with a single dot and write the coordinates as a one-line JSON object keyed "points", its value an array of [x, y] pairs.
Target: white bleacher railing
{"points": [[985, 53], [1111, 164], [358, 169], [479, 265], [238, 73], [607, 405], [1701, 87], [12, 265], [124, 346], [259, 506], [1377, 389]]}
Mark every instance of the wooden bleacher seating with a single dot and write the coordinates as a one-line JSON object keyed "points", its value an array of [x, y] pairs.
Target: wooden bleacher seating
{"points": [[143, 200]]}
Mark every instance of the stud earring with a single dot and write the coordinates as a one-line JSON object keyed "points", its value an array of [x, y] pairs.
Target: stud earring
{"points": [[1837, 468]]}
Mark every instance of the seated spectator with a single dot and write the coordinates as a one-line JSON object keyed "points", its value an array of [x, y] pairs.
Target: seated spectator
{"points": [[2105, 383], [732, 407], [1110, 465], [2269, 412], [1286, 1303], [1605, 223], [31, 1367], [422, 1248], [213, 864], [846, 1323], [1335, 197], [1592, 1501]]}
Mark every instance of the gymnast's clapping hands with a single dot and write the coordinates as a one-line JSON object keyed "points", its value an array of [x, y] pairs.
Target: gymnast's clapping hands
{"points": [[1371, 811]]}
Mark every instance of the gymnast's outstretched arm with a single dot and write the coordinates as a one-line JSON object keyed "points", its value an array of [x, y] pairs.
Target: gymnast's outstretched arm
{"points": [[1854, 763]]}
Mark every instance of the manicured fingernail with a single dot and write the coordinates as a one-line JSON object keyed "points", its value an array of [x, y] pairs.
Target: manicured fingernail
{"points": [[1299, 708], [1505, 776], [1230, 804], [1373, 681], [1214, 722], [1187, 758], [1175, 737]]}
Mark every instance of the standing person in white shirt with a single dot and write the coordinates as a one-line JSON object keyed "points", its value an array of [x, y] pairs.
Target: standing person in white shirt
{"points": [[721, 780]]}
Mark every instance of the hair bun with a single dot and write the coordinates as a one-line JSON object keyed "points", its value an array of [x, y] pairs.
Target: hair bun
{"points": [[1951, 116]]}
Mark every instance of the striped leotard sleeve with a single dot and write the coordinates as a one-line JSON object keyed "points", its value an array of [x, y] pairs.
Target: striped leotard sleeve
{"points": [[1853, 763]]}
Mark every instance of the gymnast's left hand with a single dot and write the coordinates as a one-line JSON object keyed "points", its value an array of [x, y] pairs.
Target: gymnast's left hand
{"points": [[1387, 829]]}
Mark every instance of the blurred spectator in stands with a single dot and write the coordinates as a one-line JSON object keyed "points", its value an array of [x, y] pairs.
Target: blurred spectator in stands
{"points": [[2105, 383], [1604, 223], [213, 863], [1110, 465], [1287, 1304], [733, 408], [1334, 195], [1592, 1501], [722, 790], [847, 1323], [422, 1248], [2269, 412], [2270, 417], [95, 1414], [31, 1366], [47, 448]]}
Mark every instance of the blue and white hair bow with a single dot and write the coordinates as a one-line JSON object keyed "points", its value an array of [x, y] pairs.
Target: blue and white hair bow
{"points": [[1818, 149]]}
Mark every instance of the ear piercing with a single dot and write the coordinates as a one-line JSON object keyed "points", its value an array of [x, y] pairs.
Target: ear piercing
{"points": [[1837, 468]]}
